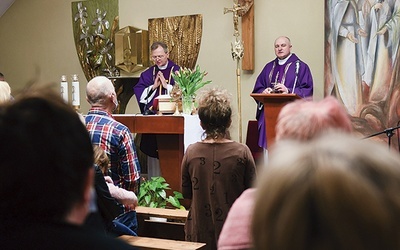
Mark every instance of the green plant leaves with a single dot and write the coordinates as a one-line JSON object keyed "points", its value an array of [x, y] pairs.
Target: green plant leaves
{"points": [[152, 194], [189, 81]]}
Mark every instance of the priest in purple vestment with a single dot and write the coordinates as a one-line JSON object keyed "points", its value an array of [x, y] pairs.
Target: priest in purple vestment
{"points": [[156, 80], [285, 74]]}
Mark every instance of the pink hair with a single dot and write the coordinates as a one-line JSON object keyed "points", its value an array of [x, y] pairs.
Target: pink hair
{"points": [[304, 119]]}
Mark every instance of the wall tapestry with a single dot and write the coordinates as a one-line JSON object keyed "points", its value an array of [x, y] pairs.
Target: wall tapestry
{"points": [[182, 34]]}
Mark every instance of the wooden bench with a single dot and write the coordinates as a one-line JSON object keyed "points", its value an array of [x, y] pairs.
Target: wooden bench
{"points": [[173, 229], [162, 244], [170, 214]]}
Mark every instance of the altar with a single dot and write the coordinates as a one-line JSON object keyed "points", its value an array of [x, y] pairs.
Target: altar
{"points": [[174, 134]]}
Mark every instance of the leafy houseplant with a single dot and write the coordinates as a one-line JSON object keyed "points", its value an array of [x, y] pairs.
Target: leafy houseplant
{"points": [[152, 194], [189, 81]]}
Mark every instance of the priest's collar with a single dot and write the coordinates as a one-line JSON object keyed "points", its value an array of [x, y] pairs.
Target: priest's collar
{"points": [[283, 61], [163, 67]]}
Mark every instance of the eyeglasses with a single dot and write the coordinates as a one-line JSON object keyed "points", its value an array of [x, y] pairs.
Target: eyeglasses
{"points": [[158, 57]]}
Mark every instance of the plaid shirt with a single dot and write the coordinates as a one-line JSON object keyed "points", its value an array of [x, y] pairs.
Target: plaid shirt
{"points": [[117, 141]]}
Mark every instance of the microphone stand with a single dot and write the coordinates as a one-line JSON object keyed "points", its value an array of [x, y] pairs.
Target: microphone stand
{"points": [[389, 133]]}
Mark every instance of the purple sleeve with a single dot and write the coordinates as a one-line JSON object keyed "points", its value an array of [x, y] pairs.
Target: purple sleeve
{"points": [[262, 81], [145, 80]]}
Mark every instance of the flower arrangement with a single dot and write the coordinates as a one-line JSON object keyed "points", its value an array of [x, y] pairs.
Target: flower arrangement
{"points": [[189, 81]]}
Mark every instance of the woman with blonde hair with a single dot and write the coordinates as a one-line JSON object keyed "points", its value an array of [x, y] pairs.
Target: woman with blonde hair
{"points": [[334, 192]]}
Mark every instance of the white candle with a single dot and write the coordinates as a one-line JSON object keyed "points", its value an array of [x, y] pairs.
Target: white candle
{"points": [[75, 91], [64, 88]]}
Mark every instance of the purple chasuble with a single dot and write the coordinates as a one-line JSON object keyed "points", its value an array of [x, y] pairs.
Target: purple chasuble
{"points": [[294, 74], [147, 79]]}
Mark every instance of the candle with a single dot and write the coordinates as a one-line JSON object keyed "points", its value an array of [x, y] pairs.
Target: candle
{"points": [[75, 92], [64, 88]]}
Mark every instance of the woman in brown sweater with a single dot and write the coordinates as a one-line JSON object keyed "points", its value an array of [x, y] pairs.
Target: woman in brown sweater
{"points": [[215, 171]]}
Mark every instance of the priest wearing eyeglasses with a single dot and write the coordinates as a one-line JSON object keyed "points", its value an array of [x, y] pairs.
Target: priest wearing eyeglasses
{"points": [[156, 80]]}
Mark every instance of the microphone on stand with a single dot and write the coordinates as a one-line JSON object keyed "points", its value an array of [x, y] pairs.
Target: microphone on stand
{"points": [[389, 133]]}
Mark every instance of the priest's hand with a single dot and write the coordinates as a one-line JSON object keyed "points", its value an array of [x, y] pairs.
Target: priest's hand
{"points": [[157, 82], [268, 91], [280, 88], [162, 80]]}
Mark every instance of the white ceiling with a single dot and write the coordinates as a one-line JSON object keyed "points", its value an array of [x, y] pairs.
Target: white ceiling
{"points": [[4, 5]]}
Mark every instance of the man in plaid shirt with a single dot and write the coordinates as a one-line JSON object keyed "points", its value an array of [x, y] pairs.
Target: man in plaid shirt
{"points": [[114, 137]]}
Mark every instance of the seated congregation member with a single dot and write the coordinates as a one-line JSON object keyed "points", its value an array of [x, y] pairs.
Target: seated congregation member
{"points": [[123, 196], [112, 136], [335, 192], [300, 120], [110, 199], [215, 171], [46, 178]]}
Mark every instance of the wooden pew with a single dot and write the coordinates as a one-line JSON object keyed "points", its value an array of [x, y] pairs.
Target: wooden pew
{"points": [[172, 214], [161, 244], [161, 235], [172, 229]]}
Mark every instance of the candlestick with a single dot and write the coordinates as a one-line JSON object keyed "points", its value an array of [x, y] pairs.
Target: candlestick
{"points": [[75, 92], [64, 88]]}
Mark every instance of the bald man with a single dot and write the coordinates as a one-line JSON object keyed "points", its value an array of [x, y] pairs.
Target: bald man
{"points": [[114, 137], [285, 74]]}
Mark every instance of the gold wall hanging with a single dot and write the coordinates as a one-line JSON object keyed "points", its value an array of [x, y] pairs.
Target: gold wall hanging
{"points": [[94, 24], [182, 34]]}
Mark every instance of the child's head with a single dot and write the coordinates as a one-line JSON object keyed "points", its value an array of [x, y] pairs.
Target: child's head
{"points": [[101, 159]]}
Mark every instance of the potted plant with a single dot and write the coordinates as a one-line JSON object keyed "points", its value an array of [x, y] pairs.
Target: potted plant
{"points": [[189, 81], [153, 194]]}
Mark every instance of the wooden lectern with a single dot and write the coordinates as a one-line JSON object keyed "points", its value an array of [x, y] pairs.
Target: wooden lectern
{"points": [[273, 104]]}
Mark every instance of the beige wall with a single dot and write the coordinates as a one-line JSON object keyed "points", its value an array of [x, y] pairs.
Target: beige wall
{"points": [[36, 41]]}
